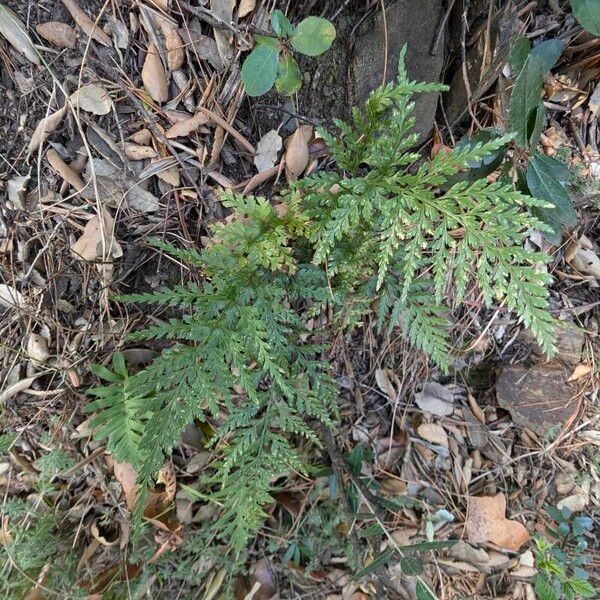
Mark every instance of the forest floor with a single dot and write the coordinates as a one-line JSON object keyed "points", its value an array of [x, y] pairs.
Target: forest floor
{"points": [[505, 425]]}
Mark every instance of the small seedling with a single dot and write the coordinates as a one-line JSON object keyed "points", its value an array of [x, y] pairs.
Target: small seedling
{"points": [[561, 561], [271, 61]]}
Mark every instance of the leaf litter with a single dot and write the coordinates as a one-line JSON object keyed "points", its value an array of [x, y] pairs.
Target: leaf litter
{"points": [[77, 236]]}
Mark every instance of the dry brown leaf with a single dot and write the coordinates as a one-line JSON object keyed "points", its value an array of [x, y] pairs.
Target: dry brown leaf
{"points": [[267, 150], [154, 76], [37, 348], [580, 371], [15, 32], [88, 26], [92, 98], [262, 573], [296, 155], [64, 170], [184, 128], [10, 297], [44, 128], [260, 178], [16, 388], [58, 34], [436, 399], [138, 152], [382, 377], [97, 240], [126, 476], [142, 137], [17, 188], [223, 9], [245, 8], [433, 433], [587, 262], [486, 522], [174, 45]]}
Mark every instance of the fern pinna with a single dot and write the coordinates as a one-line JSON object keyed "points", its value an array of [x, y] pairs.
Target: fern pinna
{"points": [[386, 233]]}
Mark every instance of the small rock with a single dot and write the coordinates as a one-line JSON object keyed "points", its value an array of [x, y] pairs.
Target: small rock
{"points": [[538, 397], [527, 559], [575, 502], [465, 552], [564, 483]]}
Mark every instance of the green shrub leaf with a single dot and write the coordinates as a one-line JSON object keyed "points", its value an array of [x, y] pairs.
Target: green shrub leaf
{"points": [[543, 183], [424, 591], [281, 24], [289, 78], [519, 53], [544, 589], [587, 13], [313, 36], [260, 70], [411, 566], [526, 112]]}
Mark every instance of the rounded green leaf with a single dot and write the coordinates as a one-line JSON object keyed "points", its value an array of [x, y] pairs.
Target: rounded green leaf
{"points": [[587, 13], [260, 70], [313, 36], [289, 78], [281, 24]]}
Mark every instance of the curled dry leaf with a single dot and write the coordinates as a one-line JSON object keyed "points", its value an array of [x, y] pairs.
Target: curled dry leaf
{"points": [[137, 152], [88, 26], [586, 261], [17, 188], [44, 128], [174, 45], [15, 33], [154, 76], [126, 476], [579, 372], [10, 297], [267, 150], [64, 170], [187, 126], [92, 98], [296, 155], [245, 7], [486, 522], [16, 388], [97, 240], [37, 348], [58, 34]]}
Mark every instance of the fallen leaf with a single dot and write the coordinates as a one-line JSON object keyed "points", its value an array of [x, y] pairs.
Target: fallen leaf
{"points": [[37, 348], [184, 128], [58, 34], [15, 388], [436, 399], [245, 8], [575, 502], [127, 477], [486, 522], [119, 32], [10, 297], [15, 32], [587, 262], [267, 150], [382, 377], [154, 76], [64, 170], [296, 155], [142, 137], [88, 26], [97, 240], [433, 433], [138, 152], [17, 188], [223, 9], [174, 45], [92, 98], [44, 128], [261, 572], [580, 371]]}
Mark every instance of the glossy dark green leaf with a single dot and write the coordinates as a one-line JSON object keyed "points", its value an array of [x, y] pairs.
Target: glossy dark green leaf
{"points": [[289, 78], [411, 566], [526, 111], [543, 184], [313, 36], [260, 70], [480, 169], [519, 53], [281, 24], [587, 12]]}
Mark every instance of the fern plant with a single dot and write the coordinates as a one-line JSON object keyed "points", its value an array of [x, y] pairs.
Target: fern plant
{"points": [[384, 232]]}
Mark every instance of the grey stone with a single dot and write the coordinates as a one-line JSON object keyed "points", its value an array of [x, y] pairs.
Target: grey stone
{"points": [[411, 23]]}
